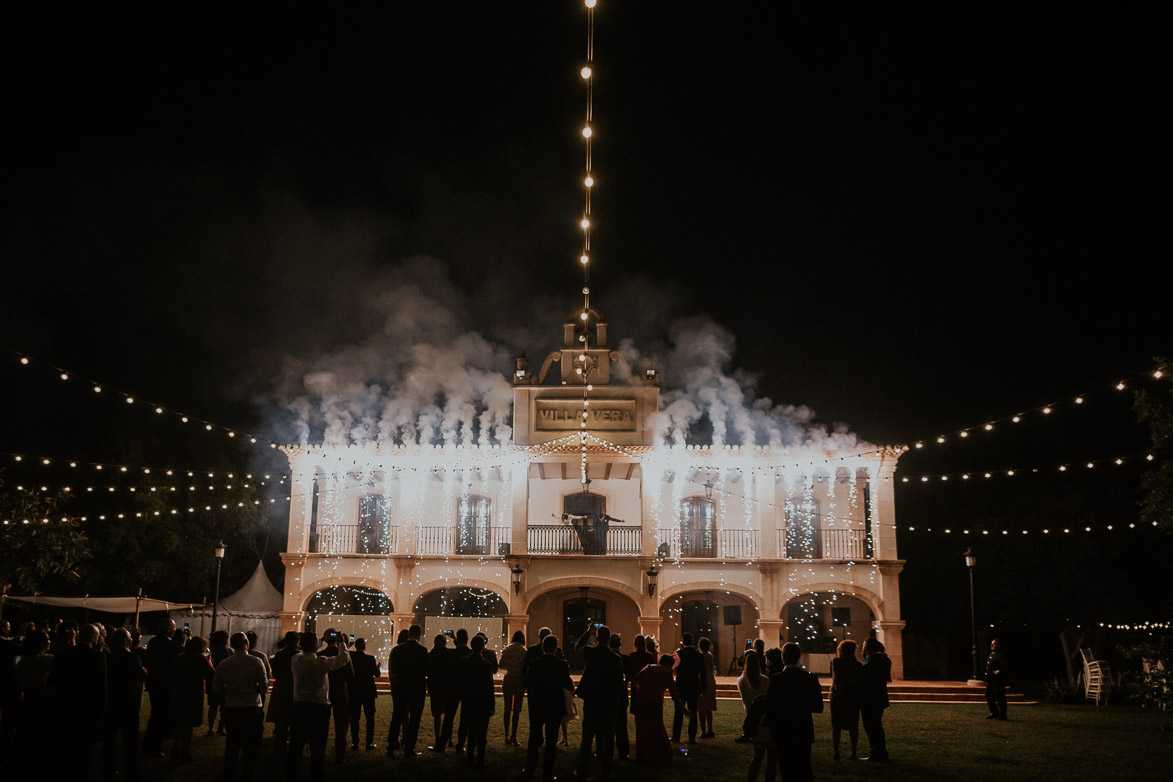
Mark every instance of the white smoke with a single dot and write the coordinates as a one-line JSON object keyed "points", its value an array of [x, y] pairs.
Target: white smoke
{"points": [[427, 374]]}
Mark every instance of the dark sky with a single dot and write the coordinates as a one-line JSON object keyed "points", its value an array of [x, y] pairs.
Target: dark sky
{"points": [[912, 219]]}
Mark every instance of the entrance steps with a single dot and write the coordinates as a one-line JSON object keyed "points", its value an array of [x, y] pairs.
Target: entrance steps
{"points": [[902, 691]]}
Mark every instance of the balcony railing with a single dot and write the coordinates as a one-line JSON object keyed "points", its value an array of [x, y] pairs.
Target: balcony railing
{"points": [[445, 541], [850, 544], [353, 539], [562, 539], [673, 543]]}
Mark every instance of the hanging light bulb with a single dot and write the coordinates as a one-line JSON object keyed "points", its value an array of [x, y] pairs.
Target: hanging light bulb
{"points": [[589, 181]]}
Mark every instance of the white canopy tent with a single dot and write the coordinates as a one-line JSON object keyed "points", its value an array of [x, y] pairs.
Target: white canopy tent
{"points": [[255, 606]]}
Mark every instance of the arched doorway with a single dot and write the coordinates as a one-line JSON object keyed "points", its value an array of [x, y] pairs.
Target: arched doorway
{"points": [[451, 608], [568, 611], [818, 621], [361, 612], [727, 619]]}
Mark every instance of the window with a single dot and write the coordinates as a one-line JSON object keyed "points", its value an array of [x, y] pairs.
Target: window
{"points": [[374, 525], [697, 528], [803, 537], [472, 529]]}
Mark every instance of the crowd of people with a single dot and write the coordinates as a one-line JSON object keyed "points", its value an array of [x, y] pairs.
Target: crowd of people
{"points": [[84, 687]]}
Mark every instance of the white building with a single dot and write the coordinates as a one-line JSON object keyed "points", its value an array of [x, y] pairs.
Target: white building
{"points": [[730, 543]]}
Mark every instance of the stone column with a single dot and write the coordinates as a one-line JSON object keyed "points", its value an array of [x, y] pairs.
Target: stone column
{"points": [[291, 622], [515, 622], [891, 635], [400, 622], [650, 625], [769, 630]]}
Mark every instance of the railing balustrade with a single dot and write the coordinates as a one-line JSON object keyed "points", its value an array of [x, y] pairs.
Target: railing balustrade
{"points": [[563, 539], [672, 543], [849, 544], [353, 539], [446, 541]]}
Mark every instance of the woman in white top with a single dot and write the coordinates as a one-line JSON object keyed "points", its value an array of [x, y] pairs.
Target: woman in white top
{"points": [[752, 685], [512, 662]]}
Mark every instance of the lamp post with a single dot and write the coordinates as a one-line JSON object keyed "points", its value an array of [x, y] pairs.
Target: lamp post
{"points": [[971, 563], [216, 600]]}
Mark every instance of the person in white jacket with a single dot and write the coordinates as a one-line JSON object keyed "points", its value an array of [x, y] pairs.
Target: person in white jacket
{"points": [[311, 704]]}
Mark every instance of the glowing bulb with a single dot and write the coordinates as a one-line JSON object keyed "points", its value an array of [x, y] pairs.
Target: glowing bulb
{"points": [[989, 427], [585, 223], [582, 356], [585, 259], [1046, 411], [965, 434], [583, 316], [1015, 419], [97, 389], [589, 181], [1120, 386], [585, 72], [64, 376], [159, 410], [940, 439], [1079, 400], [24, 361], [587, 132], [130, 400], [586, 291], [590, 3], [1158, 374]]}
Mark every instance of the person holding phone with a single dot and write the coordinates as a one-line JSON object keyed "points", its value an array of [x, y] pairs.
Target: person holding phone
{"points": [[311, 704]]}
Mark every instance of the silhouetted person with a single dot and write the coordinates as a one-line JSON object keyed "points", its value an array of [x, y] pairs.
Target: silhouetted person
{"points": [[218, 651], [36, 731], [437, 685], [9, 693], [477, 698], [647, 704], [161, 655], [451, 678], [311, 705], [124, 679], [846, 673], [257, 653], [78, 684], [241, 683], [363, 692], [690, 683], [409, 661], [622, 740], [340, 679], [996, 681], [281, 701], [793, 696], [193, 679], [601, 686], [873, 697], [546, 678]]}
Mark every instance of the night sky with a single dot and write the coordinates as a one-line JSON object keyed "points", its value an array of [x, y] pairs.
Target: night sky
{"points": [[912, 219]]}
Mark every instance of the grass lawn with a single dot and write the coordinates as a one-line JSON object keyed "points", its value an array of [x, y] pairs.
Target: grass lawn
{"points": [[926, 742]]}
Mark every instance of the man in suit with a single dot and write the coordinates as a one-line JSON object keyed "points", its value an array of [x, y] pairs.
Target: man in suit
{"points": [[545, 680], [873, 697], [452, 690], [996, 681], [124, 679], [477, 698], [601, 687], [78, 682], [161, 654], [363, 692], [409, 664], [281, 707], [793, 696], [622, 741], [690, 683]]}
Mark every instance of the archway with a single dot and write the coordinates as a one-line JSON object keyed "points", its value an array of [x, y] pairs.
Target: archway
{"points": [[726, 618], [475, 609], [818, 621], [361, 612], [569, 610]]}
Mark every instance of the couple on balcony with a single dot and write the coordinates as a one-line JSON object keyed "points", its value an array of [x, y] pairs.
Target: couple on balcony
{"points": [[591, 530]]}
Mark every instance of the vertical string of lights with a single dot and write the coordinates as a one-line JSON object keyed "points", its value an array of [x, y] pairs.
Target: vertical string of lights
{"points": [[588, 75]]}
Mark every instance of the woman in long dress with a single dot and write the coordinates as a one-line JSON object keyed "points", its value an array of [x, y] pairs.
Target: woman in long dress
{"points": [[752, 685], [708, 700], [845, 684], [647, 704]]}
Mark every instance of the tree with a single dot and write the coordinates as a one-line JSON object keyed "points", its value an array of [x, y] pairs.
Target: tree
{"points": [[40, 543], [1154, 408]]}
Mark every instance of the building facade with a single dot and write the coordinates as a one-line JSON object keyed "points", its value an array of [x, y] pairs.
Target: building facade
{"points": [[585, 518]]}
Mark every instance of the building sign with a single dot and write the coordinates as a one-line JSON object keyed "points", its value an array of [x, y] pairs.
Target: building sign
{"points": [[612, 415]]}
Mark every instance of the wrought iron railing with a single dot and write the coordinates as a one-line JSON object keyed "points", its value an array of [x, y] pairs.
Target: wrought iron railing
{"points": [[674, 543], [444, 541], [564, 539], [849, 544], [353, 539]]}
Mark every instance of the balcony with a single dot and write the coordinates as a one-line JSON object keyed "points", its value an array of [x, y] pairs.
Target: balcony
{"points": [[449, 541], [562, 539], [353, 539], [672, 543], [848, 544]]}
